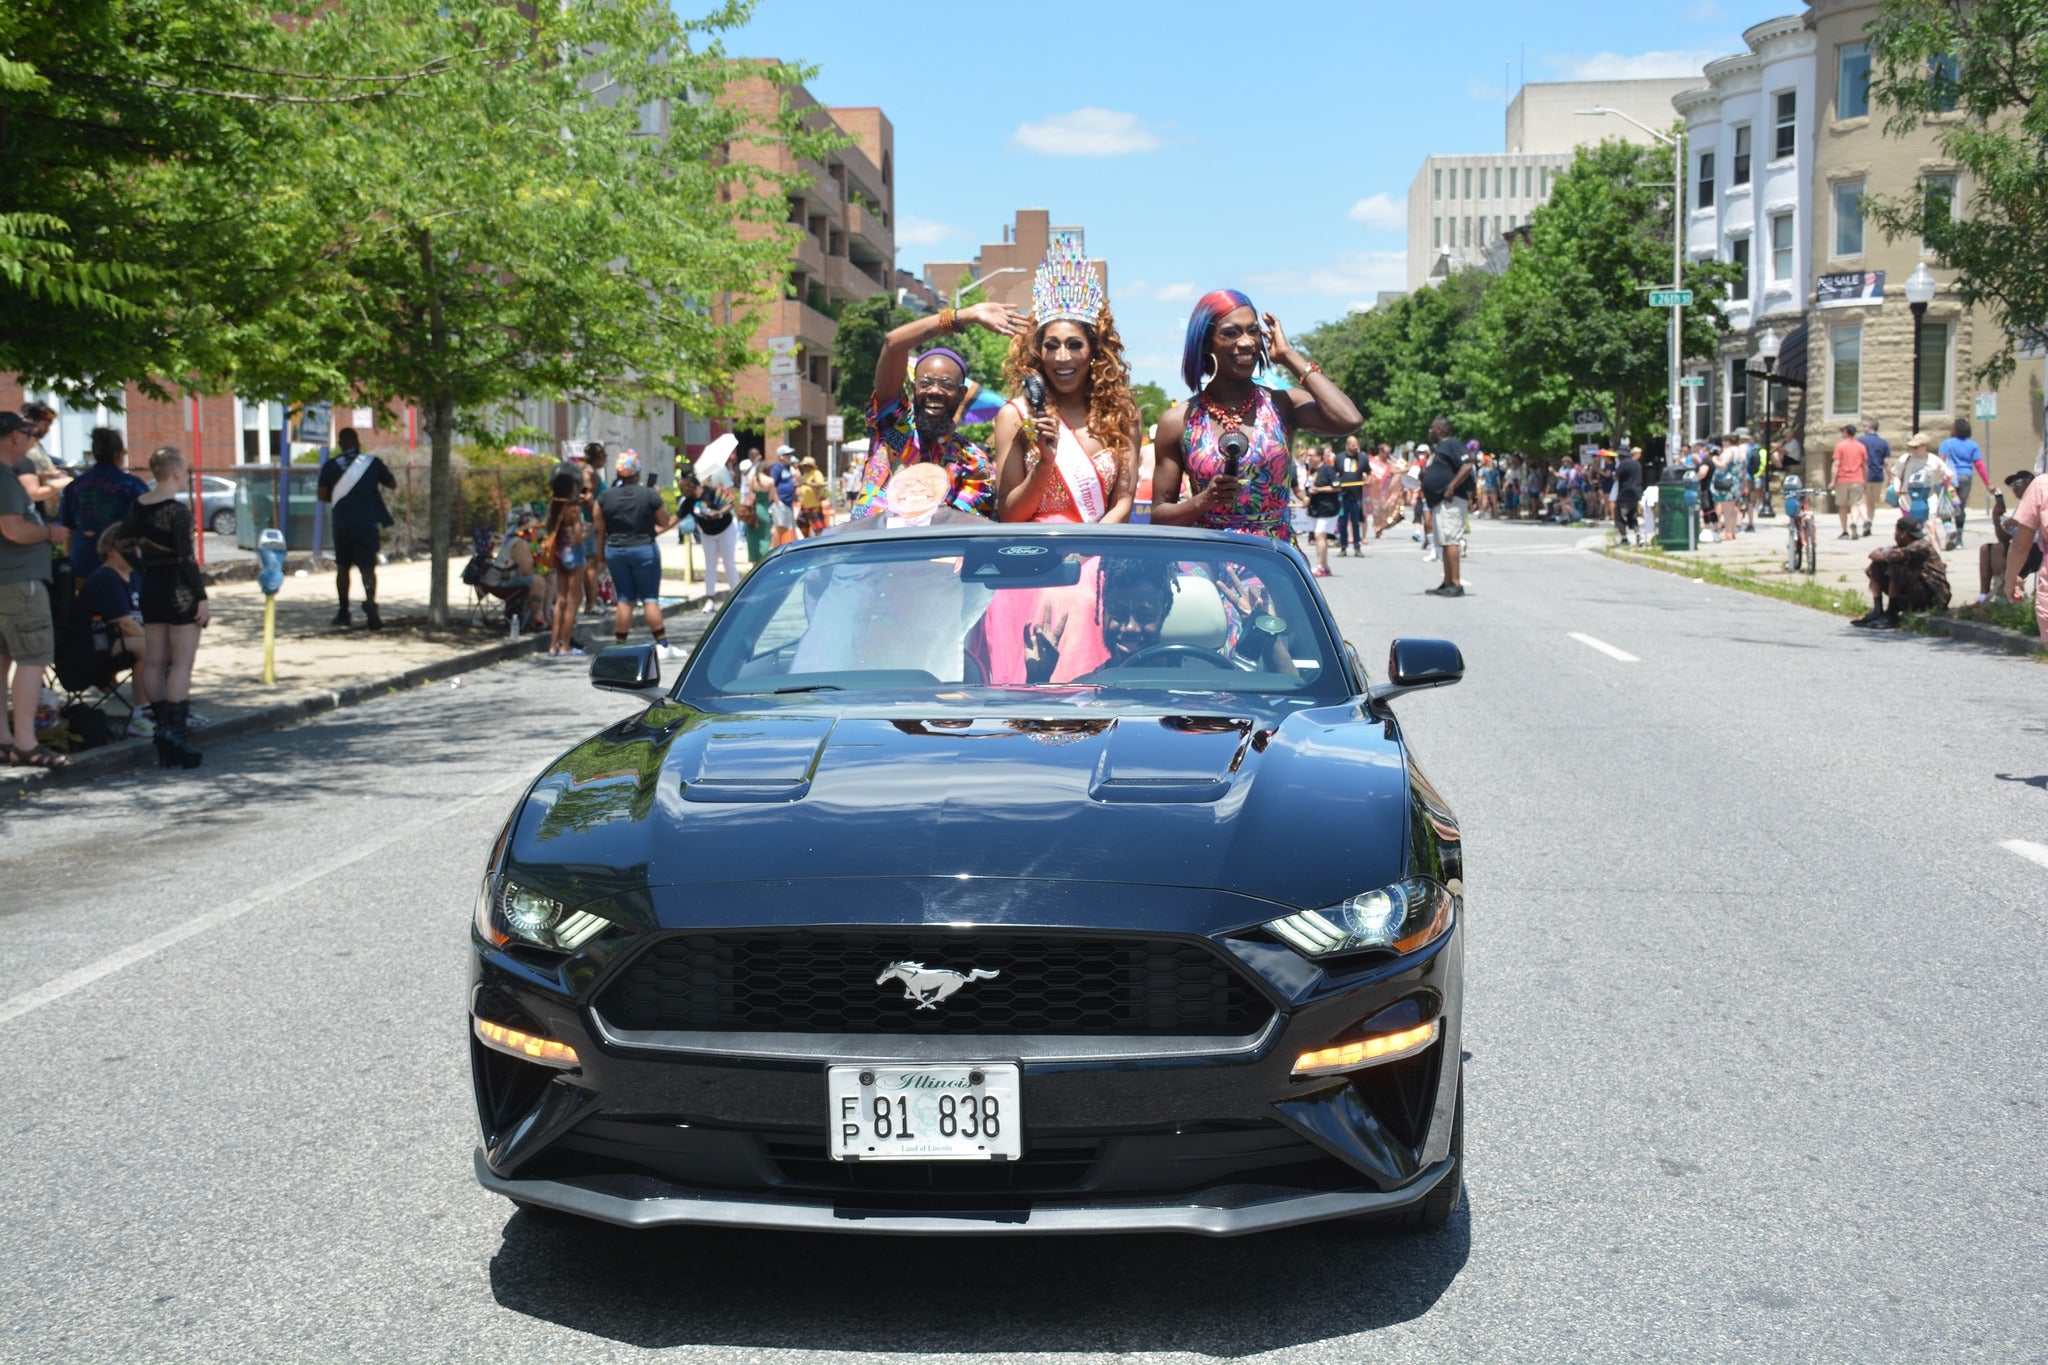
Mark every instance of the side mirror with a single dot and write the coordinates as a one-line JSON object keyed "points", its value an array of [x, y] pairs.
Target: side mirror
{"points": [[632, 669], [1415, 665]]}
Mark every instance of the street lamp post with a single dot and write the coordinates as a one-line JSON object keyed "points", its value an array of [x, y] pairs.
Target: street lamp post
{"points": [[1767, 351], [972, 285], [1677, 146], [1919, 293]]}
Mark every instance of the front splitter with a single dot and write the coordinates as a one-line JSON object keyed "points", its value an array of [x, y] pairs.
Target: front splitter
{"points": [[1253, 1215]]}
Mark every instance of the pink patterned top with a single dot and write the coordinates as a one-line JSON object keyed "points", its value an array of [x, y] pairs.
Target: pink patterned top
{"points": [[1261, 507]]}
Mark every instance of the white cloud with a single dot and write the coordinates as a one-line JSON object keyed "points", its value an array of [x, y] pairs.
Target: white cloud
{"points": [[1178, 292], [1486, 92], [1380, 211], [1640, 66], [1352, 275], [1704, 10], [1085, 132], [912, 230]]}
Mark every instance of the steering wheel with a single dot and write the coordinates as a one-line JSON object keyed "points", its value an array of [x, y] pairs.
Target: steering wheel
{"points": [[1212, 657]]}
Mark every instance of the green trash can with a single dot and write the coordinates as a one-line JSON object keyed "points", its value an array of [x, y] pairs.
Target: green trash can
{"points": [[1678, 516]]}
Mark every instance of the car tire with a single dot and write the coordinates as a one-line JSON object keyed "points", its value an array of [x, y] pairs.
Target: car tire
{"points": [[222, 523], [1434, 1209]]}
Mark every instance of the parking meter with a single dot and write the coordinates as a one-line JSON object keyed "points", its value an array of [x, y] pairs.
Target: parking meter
{"points": [[270, 577]]}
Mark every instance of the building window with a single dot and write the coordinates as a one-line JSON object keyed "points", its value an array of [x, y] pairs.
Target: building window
{"points": [[1738, 256], [1496, 182], [1788, 125], [1845, 370], [1468, 182], [1482, 182], [1702, 406], [1852, 80], [1706, 180], [1849, 218], [1468, 232], [1512, 191], [1436, 178], [1738, 169], [1436, 232], [1937, 200], [1945, 73], [1933, 379], [1738, 393], [1781, 246]]}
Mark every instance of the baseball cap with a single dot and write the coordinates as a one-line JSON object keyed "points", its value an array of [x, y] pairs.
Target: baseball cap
{"points": [[784, 450], [12, 421], [628, 464]]}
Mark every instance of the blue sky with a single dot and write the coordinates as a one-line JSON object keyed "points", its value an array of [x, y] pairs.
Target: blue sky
{"points": [[1266, 147]]}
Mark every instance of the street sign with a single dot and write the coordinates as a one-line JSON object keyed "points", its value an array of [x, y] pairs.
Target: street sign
{"points": [[781, 345], [1585, 421], [1987, 407], [1693, 381], [1671, 298], [835, 428], [783, 397], [782, 364]]}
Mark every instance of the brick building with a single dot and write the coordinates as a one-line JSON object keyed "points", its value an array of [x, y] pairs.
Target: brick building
{"points": [[1016, 257], [847, 252]]}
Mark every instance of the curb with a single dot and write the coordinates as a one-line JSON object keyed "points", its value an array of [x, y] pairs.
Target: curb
{"points": [[121, 757], [1955, 628]]}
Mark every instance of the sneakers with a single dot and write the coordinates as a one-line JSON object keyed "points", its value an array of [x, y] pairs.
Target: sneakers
{"points": [[667, 653], [340, 617], [140, 726], [1322, 572], [1446, 590], [370, 617]]}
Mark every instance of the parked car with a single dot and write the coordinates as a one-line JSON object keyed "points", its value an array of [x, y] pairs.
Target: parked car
{"points": [[217, 501], [988, 879]]}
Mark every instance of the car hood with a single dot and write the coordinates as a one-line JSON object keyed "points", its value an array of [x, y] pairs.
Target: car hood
{"points": [[1300, 811]]}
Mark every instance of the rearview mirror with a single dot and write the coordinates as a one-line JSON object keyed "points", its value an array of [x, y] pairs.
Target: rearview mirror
{"points": [[632, 669], [1415, 665]]}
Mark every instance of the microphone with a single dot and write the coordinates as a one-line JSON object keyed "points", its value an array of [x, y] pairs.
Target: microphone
{"points": [[1034, 393], [1234, 445]]}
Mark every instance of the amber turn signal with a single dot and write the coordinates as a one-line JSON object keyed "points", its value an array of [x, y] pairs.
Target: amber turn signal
{"points": [[1386, 1047], [526, 1046]]}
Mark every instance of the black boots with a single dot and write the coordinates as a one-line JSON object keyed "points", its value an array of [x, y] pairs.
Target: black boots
{"points": [[375, 621], [173, 735]]}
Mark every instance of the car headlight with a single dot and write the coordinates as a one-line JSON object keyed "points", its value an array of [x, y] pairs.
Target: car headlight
{"points": [[1400, 918], [507, 911]]}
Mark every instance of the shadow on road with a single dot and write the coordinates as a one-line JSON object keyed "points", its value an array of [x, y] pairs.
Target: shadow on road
{"points": [[772, 1291]]}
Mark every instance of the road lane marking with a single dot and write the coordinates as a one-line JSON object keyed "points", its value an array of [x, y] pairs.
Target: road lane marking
{"points": [[1609, 650], [2033, 853], [74, 981]]}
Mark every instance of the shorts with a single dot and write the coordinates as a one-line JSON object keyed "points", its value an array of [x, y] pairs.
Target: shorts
{"points": [[1849, 494], [1449, 518], [167, 600], [355, 547], [636, 573], [782, 516], [27, 634], [810, 518], [1323, 525], [573, 557]]}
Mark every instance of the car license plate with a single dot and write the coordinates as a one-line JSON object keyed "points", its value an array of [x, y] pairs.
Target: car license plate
{"points": [[925, 1113]]}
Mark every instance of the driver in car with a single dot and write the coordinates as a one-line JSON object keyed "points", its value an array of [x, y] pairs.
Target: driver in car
{"points": [[1135, 597]]}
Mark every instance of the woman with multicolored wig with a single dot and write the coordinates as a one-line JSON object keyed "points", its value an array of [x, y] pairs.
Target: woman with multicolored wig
{"points": [[1074, 459], [1226, 348]]}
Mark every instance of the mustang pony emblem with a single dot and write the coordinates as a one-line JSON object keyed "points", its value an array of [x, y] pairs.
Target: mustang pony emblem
{"points": [[929, 986]]}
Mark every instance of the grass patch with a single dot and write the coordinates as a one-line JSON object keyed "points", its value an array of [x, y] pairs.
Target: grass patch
{"points": [[2017, 616], [1799, 589]]}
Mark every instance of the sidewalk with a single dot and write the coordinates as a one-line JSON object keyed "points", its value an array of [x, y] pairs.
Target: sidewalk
{"points": [[320, 666], [1762, 553]]}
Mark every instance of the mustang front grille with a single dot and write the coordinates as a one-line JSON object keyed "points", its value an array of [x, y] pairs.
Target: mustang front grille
{"points": [[975, 981]]}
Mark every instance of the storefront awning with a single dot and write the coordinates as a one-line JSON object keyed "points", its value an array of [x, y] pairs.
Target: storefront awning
{"points": [[1791, 367]]}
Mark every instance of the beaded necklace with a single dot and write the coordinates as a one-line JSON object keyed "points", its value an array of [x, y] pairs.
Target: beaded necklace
{"points": [[1233, 416]]}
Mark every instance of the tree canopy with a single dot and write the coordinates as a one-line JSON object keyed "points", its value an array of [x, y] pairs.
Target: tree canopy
{"points": [[1977, 75]]}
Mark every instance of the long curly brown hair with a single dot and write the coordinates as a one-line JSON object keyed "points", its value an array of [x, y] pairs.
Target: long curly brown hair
{"points": [[1112, 414]]}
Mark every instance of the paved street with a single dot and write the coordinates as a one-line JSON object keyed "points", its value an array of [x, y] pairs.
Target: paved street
{"points": [[1756, 1018]]}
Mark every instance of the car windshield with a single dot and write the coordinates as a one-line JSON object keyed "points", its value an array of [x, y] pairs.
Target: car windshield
{"points": [[1153, 618]]}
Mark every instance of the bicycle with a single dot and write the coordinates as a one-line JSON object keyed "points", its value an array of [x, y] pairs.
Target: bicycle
{"points": [[1802, 536]]}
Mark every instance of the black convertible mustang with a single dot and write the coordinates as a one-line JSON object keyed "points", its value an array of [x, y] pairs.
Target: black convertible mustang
{"points": [[985, 879]]}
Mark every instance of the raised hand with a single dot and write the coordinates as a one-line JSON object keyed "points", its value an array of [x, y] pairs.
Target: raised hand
{"points": [[1276, 340], [999, 318], [1042, 647]]}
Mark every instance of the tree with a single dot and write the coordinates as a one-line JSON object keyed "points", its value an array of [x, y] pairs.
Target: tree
{"points": [[505, 228], [131, 131], [1988, 61], [1397, 362], [1568, 321], [1152, 403], [863, 326]]}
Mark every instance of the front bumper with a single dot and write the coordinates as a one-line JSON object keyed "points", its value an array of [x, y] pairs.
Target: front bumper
{"points": [[1227, 1211], [1210, 1136]]}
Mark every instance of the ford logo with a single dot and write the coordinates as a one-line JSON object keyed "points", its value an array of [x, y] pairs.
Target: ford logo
{"points": [[1022, 550]]}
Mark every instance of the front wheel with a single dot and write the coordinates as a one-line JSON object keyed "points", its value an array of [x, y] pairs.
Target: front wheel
{"points": [[223, 522]]}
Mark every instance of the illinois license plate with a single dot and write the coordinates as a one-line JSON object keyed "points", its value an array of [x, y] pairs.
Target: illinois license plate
{"points": [[967, 1112]]}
